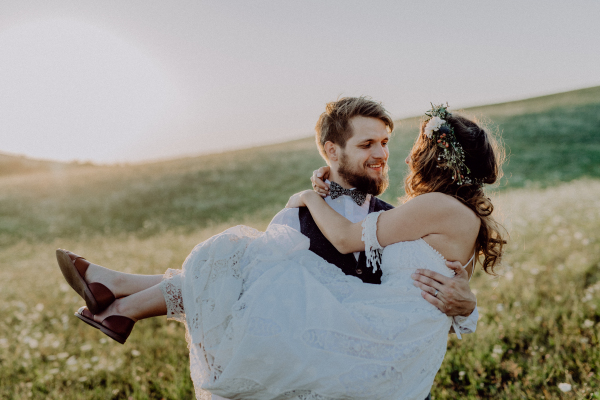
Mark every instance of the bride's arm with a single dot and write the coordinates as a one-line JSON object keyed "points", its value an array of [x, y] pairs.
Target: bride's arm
{"points": [[336, 228], [426, 214]]}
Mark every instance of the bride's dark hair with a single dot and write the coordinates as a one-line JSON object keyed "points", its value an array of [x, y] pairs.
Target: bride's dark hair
{"points": [[484, 157]]}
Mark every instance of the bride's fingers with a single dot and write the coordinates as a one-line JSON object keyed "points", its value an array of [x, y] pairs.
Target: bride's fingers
{"points": [[317, 181], [318, 184], [321, 191]]}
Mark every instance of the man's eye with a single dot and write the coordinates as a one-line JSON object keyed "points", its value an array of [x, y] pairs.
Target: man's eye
{"points": [[385, 144]]}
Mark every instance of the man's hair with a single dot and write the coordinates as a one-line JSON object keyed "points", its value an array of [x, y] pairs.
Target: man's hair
{"points": [[334, 124]]}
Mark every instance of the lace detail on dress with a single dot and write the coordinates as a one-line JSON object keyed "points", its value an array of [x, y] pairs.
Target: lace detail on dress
{"points": [[373, 249], [170, 287]]}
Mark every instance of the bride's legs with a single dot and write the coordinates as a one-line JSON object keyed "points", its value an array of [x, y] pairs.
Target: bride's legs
{"points": [[147, 303], [121, 283]]}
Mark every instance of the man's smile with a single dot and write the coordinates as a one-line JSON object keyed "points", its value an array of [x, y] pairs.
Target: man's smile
{"points": [[376, 166]]}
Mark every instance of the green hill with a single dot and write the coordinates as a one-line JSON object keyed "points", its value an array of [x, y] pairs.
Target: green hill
{"points": [[550, 139], [18, 164]]}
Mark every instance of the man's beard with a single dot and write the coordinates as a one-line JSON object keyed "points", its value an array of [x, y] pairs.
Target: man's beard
{"points": [[361, 180]]}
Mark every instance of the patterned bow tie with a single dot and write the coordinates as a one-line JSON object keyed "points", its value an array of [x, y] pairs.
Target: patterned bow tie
{"points": [[336, 191]]}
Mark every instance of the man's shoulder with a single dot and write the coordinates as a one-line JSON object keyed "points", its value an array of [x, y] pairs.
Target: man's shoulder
{"points": [[382, 205], [287, 216]]}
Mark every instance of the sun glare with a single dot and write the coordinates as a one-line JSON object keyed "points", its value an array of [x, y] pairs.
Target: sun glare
{"points": [[70, 90]]}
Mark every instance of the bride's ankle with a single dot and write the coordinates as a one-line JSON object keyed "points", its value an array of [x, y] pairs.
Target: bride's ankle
{"points": [[118, 307], [105, 276]]}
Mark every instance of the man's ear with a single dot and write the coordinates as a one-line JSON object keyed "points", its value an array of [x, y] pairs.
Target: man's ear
{"points": [[331, 151]]}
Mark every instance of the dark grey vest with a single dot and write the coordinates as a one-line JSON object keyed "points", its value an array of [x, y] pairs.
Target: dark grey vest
{"points": [[323, 247]]}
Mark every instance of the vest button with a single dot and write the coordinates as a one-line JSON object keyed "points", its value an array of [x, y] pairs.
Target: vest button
{"points": [[358, 271]]}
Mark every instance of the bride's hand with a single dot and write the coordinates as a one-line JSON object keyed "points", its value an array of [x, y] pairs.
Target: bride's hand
{"points": [[299, 199], [318, 181]]}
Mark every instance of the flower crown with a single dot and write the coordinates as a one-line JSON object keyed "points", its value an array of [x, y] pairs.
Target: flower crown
{"points": [[442, 134]]}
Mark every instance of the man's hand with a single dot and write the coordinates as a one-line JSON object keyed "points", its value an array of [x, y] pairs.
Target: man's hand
{"points": [[318, 181], [452, 296]]}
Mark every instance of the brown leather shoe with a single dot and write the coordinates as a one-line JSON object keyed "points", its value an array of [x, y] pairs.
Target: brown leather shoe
{"points": [[116, 327], [97, 296]]}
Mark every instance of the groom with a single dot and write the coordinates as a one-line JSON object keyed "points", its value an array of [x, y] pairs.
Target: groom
{"points": [[352, 136]]}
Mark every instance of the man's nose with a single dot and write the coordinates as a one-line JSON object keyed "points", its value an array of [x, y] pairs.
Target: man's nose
{"points": [[379, 152]]}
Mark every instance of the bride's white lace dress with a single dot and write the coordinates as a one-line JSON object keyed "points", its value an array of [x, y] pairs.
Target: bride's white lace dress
{"points": [[268, 319]]}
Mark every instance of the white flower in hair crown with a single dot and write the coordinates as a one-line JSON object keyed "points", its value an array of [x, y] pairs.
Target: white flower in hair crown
{"points": [[434, 124], [451, 154]]}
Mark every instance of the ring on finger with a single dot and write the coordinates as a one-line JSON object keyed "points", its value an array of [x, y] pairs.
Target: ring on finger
{"points": [[436, 293]]}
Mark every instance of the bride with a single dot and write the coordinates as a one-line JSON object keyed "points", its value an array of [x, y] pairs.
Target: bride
{"points": [[268, 319]]}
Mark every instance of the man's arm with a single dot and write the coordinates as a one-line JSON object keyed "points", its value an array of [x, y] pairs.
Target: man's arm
{"points": [[454, 296]]}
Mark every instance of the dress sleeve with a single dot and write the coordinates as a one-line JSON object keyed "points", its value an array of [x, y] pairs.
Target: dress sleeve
{"points": [[373, 249]]}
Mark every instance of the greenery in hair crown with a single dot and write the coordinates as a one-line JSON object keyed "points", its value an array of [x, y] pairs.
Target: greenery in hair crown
{"points": [[450, 150]]}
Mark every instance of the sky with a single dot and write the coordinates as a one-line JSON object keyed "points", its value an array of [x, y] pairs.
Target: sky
{"points": [[128, 81]]}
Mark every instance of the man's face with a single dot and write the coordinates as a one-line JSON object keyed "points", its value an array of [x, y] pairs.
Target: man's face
{"points": [[363, 162]]}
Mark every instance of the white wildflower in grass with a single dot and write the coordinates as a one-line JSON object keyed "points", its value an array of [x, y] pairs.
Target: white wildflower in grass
{"points": [[62, 356], [588, 297], [94, 359], [135, 353], [87, 366], [72, 360], [82, 379], [588, 323], [500, 307], [103, 340], [39, 307], [54, 371], [497, 349], [565, 387], [86, 347]]}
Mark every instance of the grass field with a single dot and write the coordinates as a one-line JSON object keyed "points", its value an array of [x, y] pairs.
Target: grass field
{"points": [[539, 325]]}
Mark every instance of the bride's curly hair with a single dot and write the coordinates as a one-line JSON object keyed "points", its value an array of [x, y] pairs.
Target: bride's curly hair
{"points": [[484, 156]]}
